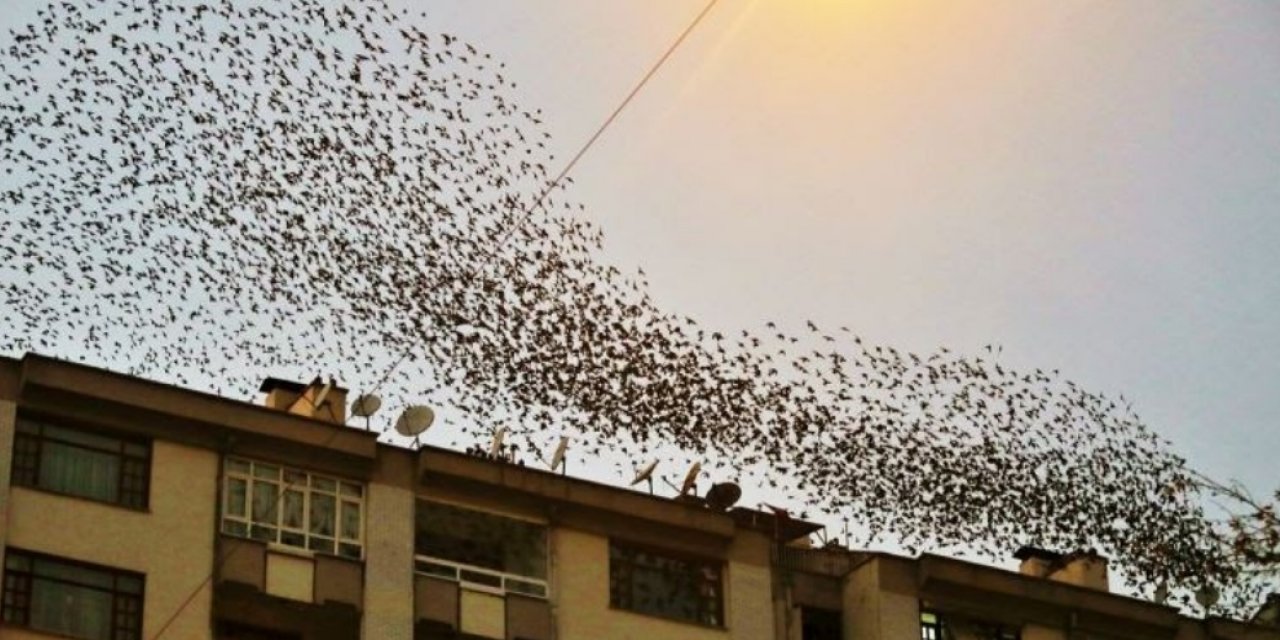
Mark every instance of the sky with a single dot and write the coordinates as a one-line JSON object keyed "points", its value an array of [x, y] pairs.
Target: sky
{"points": [[1090, 185]]}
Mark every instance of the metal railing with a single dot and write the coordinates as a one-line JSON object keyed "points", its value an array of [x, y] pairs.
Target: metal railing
{"points": [[826, 562], [480, 578]]}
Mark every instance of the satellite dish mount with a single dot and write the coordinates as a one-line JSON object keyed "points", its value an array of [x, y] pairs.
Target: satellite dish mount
{"points": [[646, 473], [413, 421]]}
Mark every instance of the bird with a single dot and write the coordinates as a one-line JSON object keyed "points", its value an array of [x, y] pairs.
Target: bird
{"points": [[241, 188]]}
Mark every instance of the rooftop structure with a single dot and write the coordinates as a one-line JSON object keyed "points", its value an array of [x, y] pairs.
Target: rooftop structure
{"points": [[132, 509]]}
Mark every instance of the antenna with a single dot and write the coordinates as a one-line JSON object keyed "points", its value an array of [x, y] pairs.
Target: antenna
{"points": [[414, 420], [495, 449], [646, 474], [324, 393], [690, 479], [557, 458], [723, 495], [315, 404], [365, 406]]}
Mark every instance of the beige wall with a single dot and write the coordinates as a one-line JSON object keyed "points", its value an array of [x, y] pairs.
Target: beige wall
{"points": [[482, 614], [388, 590], [878, 604], [580, 574], [290, 575], [750, 602], [172, 543], [8, 411], [1035, 632]]}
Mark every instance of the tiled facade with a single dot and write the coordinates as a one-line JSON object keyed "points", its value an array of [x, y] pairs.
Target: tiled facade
{"points": [[264, 522]]}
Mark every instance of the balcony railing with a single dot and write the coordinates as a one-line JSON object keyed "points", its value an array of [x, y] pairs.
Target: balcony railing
{"points": [[826, 562], [480, 578]]}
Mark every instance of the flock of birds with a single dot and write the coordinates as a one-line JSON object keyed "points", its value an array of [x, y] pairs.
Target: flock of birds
{"points": [[202, 192]]}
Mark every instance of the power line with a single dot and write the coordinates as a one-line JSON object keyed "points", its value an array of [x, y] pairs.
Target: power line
{"points": [[551, 186]]}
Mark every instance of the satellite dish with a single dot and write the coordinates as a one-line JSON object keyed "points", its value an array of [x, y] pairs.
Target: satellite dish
{"points": [[414, 420], [1207, 596], [646, 473], [557, 458], [366, 405], [723, 495], [1162, 593], [690, 479], [495, 449]]}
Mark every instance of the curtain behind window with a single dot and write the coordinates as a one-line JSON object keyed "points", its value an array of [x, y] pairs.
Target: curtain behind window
{"points": [[80, 472], [73, 610]]}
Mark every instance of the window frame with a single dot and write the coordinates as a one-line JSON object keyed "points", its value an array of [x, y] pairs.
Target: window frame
{"points": [[20, 600], [31, 431], [343, 493], [696, 562], [985, 630], [506, 582]]}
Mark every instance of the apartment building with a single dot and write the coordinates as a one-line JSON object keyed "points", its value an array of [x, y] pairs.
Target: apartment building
{"points": [[132, 509]]}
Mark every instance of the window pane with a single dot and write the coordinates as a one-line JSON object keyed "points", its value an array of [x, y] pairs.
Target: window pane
{"points": [[265, 534], [237, 495], [349, 550], [72, 573], [17, 562], [129, 584], [26, 459], [85, 438], [322, 514], [527, 588], [70, 599], [236, 465], [481, 539], [349, 489], [295, 478], [76, 611], [323, 545], [294, 539], [234, 528], [266, 506], [324, 484], [350, 520], [293, 509], [80, 472], [266, 471], [653, 583]]}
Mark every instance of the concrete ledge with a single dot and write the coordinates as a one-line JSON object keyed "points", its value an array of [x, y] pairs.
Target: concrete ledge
{"points": [[569, 498], [997, 594], [79, 393]]}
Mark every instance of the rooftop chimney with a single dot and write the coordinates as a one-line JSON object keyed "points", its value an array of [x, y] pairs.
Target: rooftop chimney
{"points": [[1080, 568], [319, 400]]}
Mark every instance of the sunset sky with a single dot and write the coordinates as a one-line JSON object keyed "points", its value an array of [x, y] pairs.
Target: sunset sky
{"points": [[1092, 185]]}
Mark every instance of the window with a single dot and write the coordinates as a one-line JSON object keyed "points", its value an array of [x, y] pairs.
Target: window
{"points": [[81, 463], [481, 549], [934, 627], [233, 631], [71, 598], [821, 624], [930, 626], [294, 508], [665, 585]]}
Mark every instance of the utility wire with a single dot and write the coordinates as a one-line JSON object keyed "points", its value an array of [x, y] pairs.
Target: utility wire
{"points": [[551, 186]]}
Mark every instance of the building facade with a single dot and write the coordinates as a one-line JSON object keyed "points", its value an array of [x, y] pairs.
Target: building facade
{"points": [[131, 509]]}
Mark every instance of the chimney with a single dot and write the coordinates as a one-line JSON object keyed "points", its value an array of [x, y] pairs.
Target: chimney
{"points": [[1269, 614], [319, 400], [1080, 568]]}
